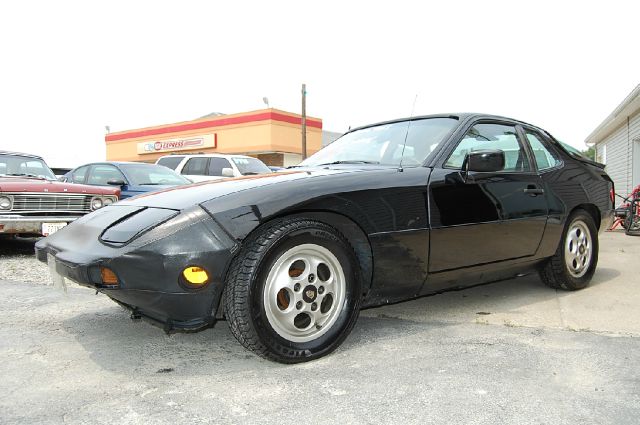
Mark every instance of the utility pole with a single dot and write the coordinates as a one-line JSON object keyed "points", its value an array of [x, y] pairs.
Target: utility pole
{"points": [[304, 121]]}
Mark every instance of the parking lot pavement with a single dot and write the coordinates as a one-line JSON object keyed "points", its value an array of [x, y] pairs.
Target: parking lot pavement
{"points": [[510, 352]]}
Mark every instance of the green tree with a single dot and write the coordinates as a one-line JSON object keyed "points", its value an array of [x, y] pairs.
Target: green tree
{"points": [[590, 153]]}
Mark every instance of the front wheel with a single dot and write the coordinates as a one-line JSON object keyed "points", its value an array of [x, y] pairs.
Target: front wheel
{"points": [[575, 260], [293, 292]]}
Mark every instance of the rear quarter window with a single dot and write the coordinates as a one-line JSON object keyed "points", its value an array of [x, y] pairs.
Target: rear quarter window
{"points": [[545, 158]]}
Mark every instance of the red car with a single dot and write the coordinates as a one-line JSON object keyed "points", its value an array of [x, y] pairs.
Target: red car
{"points": [[33, 202]]}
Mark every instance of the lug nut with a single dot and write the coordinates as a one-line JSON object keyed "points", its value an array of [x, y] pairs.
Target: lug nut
{"points": [[312, 277], [299, 305], [321, 290], [314, 307], [296, 287]]}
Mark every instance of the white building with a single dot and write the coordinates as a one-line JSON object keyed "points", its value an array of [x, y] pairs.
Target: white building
{"points": [[617, 143]]}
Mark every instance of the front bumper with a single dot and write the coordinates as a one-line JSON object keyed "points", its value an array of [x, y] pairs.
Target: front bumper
{"points": [[149, 267], [20, 224]]}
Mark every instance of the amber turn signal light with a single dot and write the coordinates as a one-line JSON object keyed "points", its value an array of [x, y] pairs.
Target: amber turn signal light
{"points": [[108, 276], [196, 276]]}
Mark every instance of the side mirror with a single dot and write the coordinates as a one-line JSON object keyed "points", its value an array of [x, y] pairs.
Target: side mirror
{"points": [[485, 161], [227, 172], [116, 182], [62, 179]]}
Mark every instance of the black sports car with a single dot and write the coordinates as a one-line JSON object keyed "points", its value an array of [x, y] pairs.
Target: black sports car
{"points": [[386, 213]]}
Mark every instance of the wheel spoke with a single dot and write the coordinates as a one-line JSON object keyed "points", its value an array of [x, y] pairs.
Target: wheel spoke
{"points": [[313, 265]]}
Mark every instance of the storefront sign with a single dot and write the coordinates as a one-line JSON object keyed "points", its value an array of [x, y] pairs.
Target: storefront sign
{"points": [[170, 145]]}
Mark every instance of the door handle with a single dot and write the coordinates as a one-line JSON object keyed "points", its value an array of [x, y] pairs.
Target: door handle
{"points": [[533, 191]]}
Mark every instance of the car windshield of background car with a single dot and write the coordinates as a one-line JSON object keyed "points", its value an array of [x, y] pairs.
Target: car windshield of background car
{"points": [[152, 175], [385, 144], [248, 166], [12, 165]]}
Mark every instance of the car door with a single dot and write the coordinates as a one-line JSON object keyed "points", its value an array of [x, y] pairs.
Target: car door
{"points": [[195, 169], [485, 217]]}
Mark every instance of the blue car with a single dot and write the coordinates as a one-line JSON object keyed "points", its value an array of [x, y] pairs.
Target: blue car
{"points": [[133, 178]]}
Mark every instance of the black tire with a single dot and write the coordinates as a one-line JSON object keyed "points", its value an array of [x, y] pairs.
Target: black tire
{"points": [[556, 272], [247, 282]]}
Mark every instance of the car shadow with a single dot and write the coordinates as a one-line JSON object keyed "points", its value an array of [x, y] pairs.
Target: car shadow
{"points": [[15, 246], [119, 344], [122, 345], [510, 298]]}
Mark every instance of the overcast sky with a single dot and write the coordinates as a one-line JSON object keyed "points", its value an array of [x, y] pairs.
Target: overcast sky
{"points": [[67, 69]]}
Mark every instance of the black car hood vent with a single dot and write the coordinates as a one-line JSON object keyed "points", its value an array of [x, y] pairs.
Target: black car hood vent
{"points": [[126, 229]]}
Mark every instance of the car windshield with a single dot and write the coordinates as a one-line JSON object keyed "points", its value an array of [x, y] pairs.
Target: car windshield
{"points": [[149, 174], [385, 144], [248, 166], [16, 165]]}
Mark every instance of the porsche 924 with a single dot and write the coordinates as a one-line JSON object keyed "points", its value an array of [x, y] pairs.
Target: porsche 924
{"points": [[386, 213]]}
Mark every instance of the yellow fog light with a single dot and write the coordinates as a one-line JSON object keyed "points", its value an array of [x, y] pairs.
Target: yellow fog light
{"points": [[196, 276], [108, 276]]}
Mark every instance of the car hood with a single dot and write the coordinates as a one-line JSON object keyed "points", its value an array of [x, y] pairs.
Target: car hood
{"points": [[180, 197], [22, 184]]}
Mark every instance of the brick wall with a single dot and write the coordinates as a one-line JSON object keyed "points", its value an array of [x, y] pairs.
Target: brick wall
{"points": [[273, 159]]}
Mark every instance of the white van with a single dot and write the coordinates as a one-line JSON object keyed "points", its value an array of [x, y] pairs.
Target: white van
{"points": [[202, 167]]}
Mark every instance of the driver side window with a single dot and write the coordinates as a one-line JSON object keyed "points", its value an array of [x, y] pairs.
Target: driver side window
{"points": [[491, 137], [101, 174], [79, 174]]}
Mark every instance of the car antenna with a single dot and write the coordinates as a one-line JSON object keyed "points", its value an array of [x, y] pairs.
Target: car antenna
{"points": [[406, 135]]}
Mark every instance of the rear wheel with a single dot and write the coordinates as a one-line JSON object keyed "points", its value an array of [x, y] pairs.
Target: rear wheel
{"points": [[293, 293], [575, 260]]}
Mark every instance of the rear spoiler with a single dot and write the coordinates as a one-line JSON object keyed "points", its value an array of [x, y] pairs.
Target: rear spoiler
{"points": [[588, 161]]}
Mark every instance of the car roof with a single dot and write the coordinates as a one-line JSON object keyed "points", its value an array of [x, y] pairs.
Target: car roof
{"points": [[459, 116], [211, 155], [28, 155], [115, 163]]}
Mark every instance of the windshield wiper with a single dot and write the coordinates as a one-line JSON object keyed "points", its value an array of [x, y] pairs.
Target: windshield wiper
{"points": [[148, 184], [24, 175], [353, 161]]}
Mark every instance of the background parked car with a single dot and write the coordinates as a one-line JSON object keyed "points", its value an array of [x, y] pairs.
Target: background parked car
{"points": [[60, 172], [202, 167], [33, 202], [133, 178]]}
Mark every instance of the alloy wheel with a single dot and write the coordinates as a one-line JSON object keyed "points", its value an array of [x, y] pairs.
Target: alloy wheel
{"points": [[578, 249], [304, 292]]}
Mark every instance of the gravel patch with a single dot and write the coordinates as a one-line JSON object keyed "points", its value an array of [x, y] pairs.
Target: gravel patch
{"points": [[24, 268], [18, 262]]}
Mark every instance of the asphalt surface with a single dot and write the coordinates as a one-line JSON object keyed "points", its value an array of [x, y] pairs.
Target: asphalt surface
{"points": [[511, 352]]}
